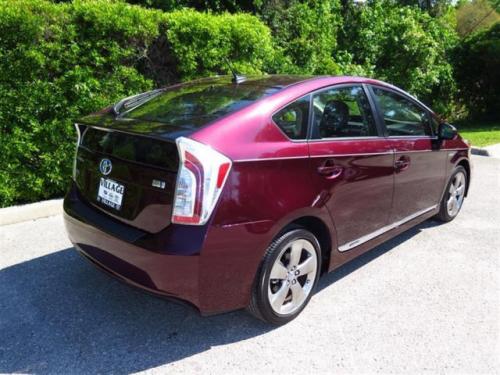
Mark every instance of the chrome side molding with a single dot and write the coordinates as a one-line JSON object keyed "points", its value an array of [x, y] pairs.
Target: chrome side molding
{"points": [[378, 232]]}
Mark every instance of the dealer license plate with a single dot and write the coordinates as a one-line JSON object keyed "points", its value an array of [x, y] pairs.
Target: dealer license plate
{"points": [[110, 193]]}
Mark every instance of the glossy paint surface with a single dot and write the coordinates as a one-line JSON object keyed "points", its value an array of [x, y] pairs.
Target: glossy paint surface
{"points": [[370, 183], [359, 197], [418, 184]]}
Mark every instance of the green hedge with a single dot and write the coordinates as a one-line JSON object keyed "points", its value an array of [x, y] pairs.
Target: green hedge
{"points": [[305, 35], [59, 61], [404, 46], [477, 73], [201, 41]]}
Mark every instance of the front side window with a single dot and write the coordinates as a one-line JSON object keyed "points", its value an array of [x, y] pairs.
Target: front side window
{"points": [[402, 117], [342, 112], [293, 119], [434, 125]]}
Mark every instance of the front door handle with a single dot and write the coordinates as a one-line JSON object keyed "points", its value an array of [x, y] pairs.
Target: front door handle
{"points": [[402, 163], [329, 170]]}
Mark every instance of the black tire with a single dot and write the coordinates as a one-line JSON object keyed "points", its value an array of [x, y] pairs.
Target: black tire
{"points": [[260, 305], [444, 215]]}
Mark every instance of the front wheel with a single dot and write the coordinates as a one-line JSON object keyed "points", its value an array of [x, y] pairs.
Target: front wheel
{"points": [[454, 195], [287, 277]]}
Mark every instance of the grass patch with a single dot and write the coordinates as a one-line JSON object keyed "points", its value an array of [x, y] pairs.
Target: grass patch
{"points": [[480, 134]]}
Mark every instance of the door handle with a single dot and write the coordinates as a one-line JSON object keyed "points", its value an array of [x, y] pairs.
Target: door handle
{"points": [[330, 170], [402, 163]]}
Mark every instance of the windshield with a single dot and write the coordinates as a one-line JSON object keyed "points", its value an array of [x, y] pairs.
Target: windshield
{"points": [[194, 105]]}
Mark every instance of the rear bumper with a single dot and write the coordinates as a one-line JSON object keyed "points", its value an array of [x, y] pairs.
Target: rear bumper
{"points": [[168, 275], [211, 267]]}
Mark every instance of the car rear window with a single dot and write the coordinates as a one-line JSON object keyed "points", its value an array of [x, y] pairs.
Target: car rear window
{"points": [[197, 104], [133, 148]]}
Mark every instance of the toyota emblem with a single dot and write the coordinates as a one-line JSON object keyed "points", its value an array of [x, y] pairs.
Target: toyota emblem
{"points": [[105, 166]]}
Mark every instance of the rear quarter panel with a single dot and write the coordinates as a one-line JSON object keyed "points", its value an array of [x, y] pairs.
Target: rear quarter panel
{"points": [[259, 199]]}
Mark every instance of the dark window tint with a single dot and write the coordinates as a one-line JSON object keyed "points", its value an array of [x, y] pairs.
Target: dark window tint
{"points": [[402, 117], [197, 104], [293, 119], [434, 125], [342, 112], [133, 148]]}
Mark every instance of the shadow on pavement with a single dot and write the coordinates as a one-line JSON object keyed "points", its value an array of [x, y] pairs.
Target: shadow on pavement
{"points": [[367, 257], [60, 315]]}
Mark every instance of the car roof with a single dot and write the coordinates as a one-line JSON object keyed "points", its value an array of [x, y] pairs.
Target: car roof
{"points": [[277, 83], [306, 84], [272, 81], [282, 81]]}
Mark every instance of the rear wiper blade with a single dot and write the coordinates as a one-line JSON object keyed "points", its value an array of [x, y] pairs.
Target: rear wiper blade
{"points": [[135, 101]]}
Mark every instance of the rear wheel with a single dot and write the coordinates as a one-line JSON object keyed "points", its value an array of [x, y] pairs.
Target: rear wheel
{"points": [[287, 277], [454, 196]]}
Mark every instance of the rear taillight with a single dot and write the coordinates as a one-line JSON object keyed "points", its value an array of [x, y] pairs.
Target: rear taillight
{"points": [[202, 174]]}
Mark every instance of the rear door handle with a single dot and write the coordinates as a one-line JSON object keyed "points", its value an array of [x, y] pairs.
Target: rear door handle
{"points": [[402, 163], [330, 170]]}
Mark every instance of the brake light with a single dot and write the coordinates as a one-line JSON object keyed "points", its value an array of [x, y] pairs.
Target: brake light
{"points": [[202, 174]]}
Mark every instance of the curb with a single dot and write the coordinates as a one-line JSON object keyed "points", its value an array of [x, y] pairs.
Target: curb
{"points": [[479, 151], [32, 211]]}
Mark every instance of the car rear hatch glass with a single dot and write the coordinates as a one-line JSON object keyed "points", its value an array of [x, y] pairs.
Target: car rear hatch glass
{"points": [[195, 104], [141, 171]]}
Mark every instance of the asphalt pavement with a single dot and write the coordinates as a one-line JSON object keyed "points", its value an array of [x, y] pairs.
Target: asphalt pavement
{"points": [[428, 301]]}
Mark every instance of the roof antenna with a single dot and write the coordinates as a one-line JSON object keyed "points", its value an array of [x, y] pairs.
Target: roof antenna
{"points": [[236, 77]]}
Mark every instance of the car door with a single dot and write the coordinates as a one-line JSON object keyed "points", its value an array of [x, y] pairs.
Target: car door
{"points": [[352, 164], [419, 164]]}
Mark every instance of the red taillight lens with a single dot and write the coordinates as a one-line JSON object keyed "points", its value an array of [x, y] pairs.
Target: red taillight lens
{"points": [[202, 174], [221, 177]]}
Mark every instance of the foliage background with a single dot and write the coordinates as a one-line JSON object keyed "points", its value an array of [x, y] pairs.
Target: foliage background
{"points": [[62, 59]]}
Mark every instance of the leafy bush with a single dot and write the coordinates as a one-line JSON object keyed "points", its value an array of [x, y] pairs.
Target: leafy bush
{"points": [[201, 42], [59, 61], [477, 73], [305, 35], [202, 5], [405, 46]]}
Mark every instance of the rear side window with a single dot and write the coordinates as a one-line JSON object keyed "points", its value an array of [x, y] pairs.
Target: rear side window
{"points": [[402, 117], [342, 112], [293, 119]]}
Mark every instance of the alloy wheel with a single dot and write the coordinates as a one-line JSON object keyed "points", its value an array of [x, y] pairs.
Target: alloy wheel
{"points": [[456, 194], [292, 277]]}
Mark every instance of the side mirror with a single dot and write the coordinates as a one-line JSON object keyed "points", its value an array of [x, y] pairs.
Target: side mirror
{"points": [[447, 131]]}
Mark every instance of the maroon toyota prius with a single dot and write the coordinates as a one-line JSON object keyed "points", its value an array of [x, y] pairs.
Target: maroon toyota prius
{"points": [[239, 193]]}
